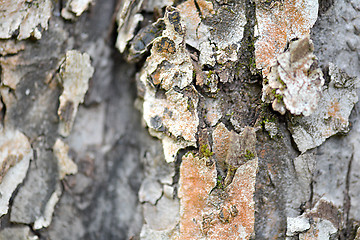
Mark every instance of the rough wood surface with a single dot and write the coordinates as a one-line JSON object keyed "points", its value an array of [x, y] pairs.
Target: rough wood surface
{"points": [[189, 119]]}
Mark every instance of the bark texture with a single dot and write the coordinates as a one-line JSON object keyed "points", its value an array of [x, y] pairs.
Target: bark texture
{"points": [[172, 119]]}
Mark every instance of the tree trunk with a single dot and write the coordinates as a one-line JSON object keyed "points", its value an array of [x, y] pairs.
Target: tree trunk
{"points": [[173, 119]]}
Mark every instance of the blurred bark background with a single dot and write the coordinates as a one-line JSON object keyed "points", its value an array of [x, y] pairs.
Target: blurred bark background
{"points": [[172, 139]]}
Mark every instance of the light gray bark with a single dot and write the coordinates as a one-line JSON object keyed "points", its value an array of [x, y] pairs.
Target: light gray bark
{"points": [[125, 186]]}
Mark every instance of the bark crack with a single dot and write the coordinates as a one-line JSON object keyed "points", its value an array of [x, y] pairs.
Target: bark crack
{"points": [[347, 201], [177, 165]]}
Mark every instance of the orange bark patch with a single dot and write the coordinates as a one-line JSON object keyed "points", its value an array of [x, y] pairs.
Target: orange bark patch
{"points": [[196, 182], [156, 78], [190, 16], [206, 7], [262, 153], [279, 25], [271, 169], [334, 109], [240, 223], [188, 10], [225, 215], [335, 112]]}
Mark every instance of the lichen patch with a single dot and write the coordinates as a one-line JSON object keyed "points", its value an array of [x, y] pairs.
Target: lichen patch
{"points": [[332, 114], [24, 19], [295, 82], [192, 18], [170, 101], [15, 154], [65, 164], [277, 24], [74, 8], [75, 73], [320, 222]]}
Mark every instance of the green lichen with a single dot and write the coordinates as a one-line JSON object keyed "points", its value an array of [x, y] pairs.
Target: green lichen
{"points": [[281, 82], [268, 119], [230, 114], [219, 182], [249, 154], [189, 153], [229, 9], [252, 63], [238, 69], [190, 105], [251, 44], [279, 97], [205, 151]]}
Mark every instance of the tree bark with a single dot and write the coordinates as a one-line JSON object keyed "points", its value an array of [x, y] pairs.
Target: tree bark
{"points": [[172, 119]]}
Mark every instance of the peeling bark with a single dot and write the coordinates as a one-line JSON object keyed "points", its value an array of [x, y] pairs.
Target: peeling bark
{"points": [[192, 119]]}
